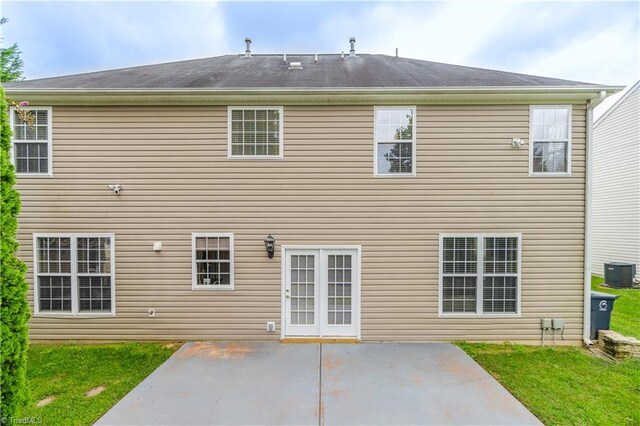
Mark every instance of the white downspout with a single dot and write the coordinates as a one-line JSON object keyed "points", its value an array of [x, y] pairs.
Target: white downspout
{"points": [[586, 326]]}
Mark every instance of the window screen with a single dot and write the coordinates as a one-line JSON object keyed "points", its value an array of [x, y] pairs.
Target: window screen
{"points": [[459, 274], [255, 132], [394, 141], [482, 269], [213, 261], [94, 273], [31, 142], [500, 274], [74, 274], [550, 138], [54, 274]]}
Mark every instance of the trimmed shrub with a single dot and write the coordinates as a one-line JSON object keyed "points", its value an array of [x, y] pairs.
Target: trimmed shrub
{"points": [[14, 308]]}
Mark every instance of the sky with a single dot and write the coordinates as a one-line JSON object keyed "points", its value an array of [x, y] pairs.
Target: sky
{"points": [[591, 41]]}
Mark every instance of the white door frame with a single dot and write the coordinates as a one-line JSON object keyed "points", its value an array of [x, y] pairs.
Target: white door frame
{"points": [[357, 282]]}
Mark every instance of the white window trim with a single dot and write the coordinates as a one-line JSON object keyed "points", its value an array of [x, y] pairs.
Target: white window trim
{"points": [[49, 141], [230, 156], [194, 270], [480, 274], [532, 141], [413, 148], [75, 312]]}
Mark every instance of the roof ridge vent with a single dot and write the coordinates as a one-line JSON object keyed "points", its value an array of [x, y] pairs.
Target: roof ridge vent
{"points": [[295, 65]]}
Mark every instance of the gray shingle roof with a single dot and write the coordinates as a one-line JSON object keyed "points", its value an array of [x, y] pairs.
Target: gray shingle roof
{"points": [[271, 71]]}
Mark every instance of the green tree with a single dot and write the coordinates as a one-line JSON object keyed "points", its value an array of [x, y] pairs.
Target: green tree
{"points": [[10, 62], [14, 309]]}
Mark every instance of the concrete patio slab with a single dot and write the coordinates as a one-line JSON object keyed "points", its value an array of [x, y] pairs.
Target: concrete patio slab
{"points": [[226, 383], [313, 384], [412, 384]]}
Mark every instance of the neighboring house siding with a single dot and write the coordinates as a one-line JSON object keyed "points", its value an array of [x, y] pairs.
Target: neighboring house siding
{"points": [[172, 162], [616, 185]]}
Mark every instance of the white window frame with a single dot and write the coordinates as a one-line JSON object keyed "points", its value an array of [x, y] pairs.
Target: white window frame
{"points": [[532, 141], [194, 269], [480, 277], [75, 295], [280, 155], [49, 140], [414, 143]]}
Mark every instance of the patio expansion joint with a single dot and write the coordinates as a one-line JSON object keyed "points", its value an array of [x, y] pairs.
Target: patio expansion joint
{"points": [[320, 407]]}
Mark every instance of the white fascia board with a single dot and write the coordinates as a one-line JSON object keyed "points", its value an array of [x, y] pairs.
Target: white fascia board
{"points": [[417, 95]]}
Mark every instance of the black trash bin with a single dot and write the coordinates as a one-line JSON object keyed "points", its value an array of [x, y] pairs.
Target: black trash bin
{"points": [[601, 307]]}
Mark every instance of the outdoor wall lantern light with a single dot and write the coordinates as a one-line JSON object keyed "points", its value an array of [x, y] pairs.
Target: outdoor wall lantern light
{"points": [[270, 245]]}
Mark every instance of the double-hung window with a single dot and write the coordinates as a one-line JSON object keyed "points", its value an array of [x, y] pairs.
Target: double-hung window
{"points": [[395, 141], [212, 261], [31, 150], [550, 141], [255, 132], [74, 274], [480, 274]]}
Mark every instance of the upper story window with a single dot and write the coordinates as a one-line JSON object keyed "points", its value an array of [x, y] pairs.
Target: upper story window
{"points": [[74, 274], [395, 141], [550, 137], [255, 132], [31, 151], [212, 261], [480, 274]]}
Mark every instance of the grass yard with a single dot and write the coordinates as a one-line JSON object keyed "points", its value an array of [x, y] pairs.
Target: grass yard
{"points": [[570, 385], [68, 372], [565, 386], [626, 310]]}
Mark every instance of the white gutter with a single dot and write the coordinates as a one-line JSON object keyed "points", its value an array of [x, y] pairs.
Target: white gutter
{"points": [[586, 325], [302, 96]]}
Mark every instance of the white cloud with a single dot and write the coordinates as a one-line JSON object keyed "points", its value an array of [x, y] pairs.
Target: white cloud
{"points": [[548, 39], [81, 37], [450, 32], [608, 56], [168, 31]]}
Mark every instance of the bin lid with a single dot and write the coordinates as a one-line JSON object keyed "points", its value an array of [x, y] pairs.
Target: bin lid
{"points": [[606, 296]]}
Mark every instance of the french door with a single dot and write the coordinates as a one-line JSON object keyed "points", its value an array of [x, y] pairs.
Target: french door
{"points": [[321, 290]]}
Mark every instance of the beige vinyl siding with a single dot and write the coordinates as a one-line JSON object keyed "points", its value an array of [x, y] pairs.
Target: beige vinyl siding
{"points": [[172, 163], [616, 185]]}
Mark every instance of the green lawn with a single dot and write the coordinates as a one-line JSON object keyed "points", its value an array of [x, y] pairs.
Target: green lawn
{"points": [[68, 372], [626, 310], [565, 386], [570, 386]]}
